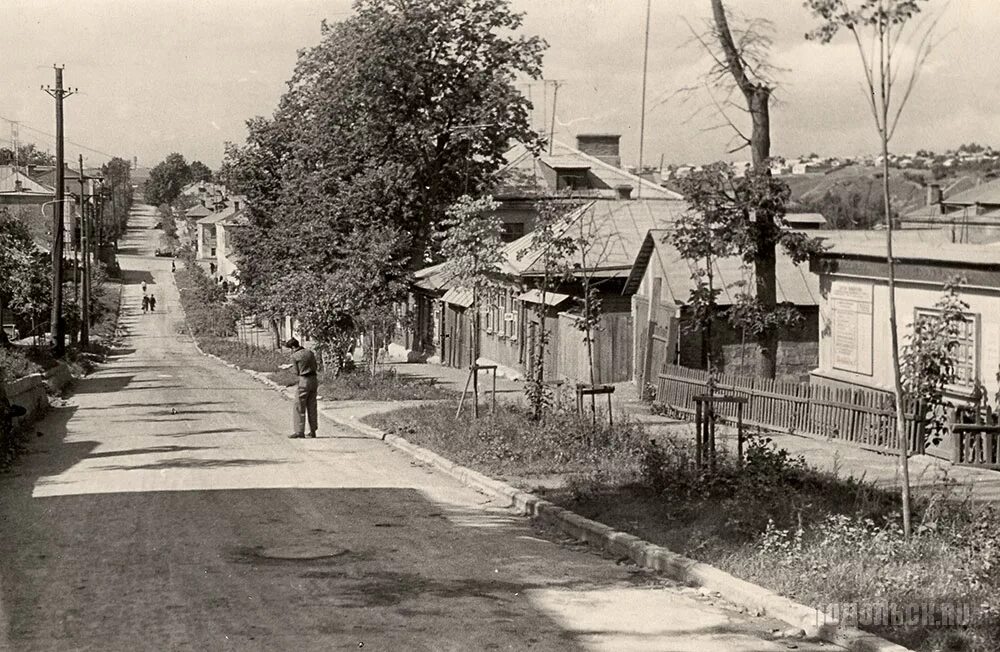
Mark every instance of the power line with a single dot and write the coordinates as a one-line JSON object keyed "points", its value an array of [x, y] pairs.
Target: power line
{"points": [[53, 137]]}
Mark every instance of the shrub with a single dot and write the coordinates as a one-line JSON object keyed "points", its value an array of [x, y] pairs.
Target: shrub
{"points": [[205, 308], [17, 363]]}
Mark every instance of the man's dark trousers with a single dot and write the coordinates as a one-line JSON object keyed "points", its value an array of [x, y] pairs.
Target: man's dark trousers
{"points": [[305, 404]]}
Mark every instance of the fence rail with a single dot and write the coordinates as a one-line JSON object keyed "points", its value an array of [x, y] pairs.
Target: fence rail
{"points": [[862, 417], [976, 445]]}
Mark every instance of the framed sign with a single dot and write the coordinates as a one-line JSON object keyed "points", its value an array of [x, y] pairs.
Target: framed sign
{"points": [[851, 305]]}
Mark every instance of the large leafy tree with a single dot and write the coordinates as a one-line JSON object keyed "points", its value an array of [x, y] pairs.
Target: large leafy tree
{"points": [[24, 287], [119, 195], [720, 224], [200, 171], [167, 179], [399, 111], [27, 154]]}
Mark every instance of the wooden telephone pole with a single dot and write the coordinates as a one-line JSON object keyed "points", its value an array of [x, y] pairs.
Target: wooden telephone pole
{"points": [[58, 322], [85, 250]]}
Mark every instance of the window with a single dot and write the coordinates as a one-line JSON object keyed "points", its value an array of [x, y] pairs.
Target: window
{"points": [[512, 231], [572, 179], [967, 351]]}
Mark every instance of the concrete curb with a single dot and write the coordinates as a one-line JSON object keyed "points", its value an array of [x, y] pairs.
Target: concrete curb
{"points": [[754, 598]]}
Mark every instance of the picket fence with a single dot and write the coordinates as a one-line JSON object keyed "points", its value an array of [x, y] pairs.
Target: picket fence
{"points": [[862, 417]]}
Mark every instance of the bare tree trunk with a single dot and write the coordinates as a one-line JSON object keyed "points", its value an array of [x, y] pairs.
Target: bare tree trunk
{"points": [[758, 99]]}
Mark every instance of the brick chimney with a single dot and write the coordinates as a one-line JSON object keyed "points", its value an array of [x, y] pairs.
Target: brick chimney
{"points": [[605, 147], [933, 194]]}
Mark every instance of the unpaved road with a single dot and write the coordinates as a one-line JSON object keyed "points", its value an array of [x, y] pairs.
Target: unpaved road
{"points": [[163, 508]]}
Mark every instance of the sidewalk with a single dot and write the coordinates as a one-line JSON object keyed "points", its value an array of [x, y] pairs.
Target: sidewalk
{"points": [[927, 474]]}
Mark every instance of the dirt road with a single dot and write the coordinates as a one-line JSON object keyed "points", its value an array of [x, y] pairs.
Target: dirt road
{"points": [[163, 508]]}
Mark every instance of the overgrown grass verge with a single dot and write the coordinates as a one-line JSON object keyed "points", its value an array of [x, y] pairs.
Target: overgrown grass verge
{"points": [[356, 384], [359, 385], [206, 312], [817, 538]]}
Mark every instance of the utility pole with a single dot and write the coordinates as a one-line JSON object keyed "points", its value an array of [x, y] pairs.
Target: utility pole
{"points": [[85, 247], [642, 116], [57, 322], [552, 125]]}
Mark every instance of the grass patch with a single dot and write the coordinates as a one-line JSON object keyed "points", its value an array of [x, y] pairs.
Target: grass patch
{"points": [[244, 356], [356, 384], [359, 385], [775, 521]]}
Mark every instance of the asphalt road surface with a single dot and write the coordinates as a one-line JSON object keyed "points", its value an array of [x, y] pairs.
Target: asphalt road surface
{"points": [[164, 508]]}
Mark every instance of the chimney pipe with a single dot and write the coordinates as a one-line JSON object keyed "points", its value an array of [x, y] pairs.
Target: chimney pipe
{"points": [[933, 194], [605, 147]]}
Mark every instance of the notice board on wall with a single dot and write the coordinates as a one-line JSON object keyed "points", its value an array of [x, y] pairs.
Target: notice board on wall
{"points": [[852, 326]]}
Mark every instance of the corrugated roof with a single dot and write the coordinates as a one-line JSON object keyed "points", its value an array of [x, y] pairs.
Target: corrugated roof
{"points": [[458, 297], [985, 193], [617, 230], [795, 283]]}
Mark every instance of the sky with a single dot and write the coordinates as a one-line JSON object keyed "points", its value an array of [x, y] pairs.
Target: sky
{"points": [[158, 76]]}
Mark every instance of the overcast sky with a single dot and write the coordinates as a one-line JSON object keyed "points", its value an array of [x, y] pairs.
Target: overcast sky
{"points": [[157, 76]]}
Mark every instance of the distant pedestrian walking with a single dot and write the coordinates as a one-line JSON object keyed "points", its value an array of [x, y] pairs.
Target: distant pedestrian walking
{"points": [[145, 303], [152, 303], [304, 406], [144, 287], [173, 266]]}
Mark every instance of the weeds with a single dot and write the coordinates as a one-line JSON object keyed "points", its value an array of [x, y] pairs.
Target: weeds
{"points": [[813, 536]]}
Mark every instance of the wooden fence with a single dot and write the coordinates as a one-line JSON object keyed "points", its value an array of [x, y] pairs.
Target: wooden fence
{"points": [[865, 418], [612, 348]]}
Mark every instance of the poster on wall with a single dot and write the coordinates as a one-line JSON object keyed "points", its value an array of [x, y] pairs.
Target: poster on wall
{"points": [[852, 327]]}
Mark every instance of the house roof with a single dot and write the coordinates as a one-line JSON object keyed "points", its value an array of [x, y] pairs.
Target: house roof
{"points": [[458, 296], [811, 219], [985, 193], [524, 174], [198, 211], [435, 277], [795, 283], [227, 214], [617, 229], [961, 255], [9, 175], [535, 296]]}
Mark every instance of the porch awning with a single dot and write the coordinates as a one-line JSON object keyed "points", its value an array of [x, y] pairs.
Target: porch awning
{"points": [[458, 297], [535, 296]]}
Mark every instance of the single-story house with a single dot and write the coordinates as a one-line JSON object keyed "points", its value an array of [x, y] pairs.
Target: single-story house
{"points": [[854, 336], [660, 277], [513, 317], [972, 216]]}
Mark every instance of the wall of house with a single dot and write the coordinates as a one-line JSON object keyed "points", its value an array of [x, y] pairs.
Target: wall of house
{"points": [[225, 264], [855, 340], [206, 241], [798, 347]]}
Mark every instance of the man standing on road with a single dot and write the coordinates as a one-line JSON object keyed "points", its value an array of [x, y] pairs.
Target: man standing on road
{"points": [[304, 362]]}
